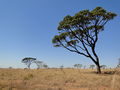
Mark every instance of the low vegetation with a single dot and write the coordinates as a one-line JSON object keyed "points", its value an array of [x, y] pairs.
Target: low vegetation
{"points": [[57, 79]]}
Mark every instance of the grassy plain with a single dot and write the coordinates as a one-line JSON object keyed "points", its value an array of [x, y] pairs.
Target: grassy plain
{"points": [[59, 79]]}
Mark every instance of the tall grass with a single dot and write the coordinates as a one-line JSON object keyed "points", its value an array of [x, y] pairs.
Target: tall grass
{"points": [[57, 79]]}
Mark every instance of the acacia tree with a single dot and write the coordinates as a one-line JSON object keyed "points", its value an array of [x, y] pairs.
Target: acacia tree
{"points": [[45, 65], [78, 65], [62, 66], [39, 64], [118, 63], [79, 33], [92, 66], [103, 66], [28, 61]]}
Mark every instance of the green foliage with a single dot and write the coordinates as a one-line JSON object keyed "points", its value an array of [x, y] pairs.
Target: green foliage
{"points": [[78, 65], [28, 61], [103, 66], [45, 65], [39, 64], [118, 66], [61, 66], [81, 23], [92, 66], [79, 33]]}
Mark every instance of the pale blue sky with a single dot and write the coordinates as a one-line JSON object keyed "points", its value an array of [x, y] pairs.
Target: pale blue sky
{"points": [[28, 26]]}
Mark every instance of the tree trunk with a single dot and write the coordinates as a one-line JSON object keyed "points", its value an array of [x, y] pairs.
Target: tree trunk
{"points": [[29, 66], [97, 64], [98, 68]]}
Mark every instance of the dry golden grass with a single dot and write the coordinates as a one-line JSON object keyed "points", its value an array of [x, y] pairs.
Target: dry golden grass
{"points": [[57, 79]]}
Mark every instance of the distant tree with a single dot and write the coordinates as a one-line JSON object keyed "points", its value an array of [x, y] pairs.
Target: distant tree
{"points": [[10, 67], [92, 66], [118, 63], [45, 65], [84, 66], [79, 33], [62, 66], [78, 65], [103, 66], [39, 64], [75, 65], [28, 61]]}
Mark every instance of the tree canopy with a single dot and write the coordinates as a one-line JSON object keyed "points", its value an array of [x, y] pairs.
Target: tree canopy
{"points": [[28, 61]]}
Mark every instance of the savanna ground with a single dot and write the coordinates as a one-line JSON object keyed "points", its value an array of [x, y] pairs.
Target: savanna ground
{"points": [[59, 79]]}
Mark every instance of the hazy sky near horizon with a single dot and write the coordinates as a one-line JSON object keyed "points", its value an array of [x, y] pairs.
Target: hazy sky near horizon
{"points": [[28, 26]]}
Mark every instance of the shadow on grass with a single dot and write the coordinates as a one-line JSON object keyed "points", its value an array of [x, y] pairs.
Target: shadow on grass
{"points": [[106, 72], [109, 72], [103, 72]]}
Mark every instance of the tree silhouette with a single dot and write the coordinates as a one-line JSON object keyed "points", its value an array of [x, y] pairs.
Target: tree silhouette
{"points": [[62, 66], [78, 65], [28, 61], [84, 66], [103, 66], [79, 33], [45, 65], [118, 63], [39, 64], [92, 66]]}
